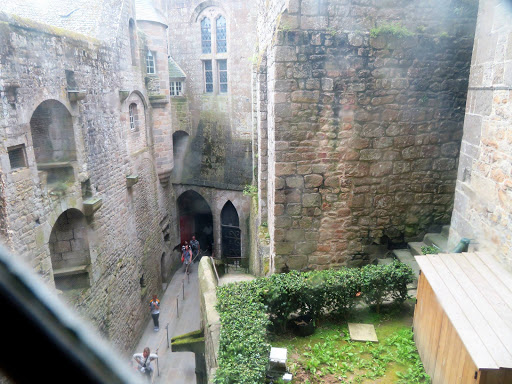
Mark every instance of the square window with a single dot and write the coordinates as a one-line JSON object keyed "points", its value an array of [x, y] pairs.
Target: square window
{"points": [[17, 156], [176, 88]]}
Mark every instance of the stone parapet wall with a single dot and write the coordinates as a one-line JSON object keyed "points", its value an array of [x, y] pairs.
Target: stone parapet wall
{"points": [[364, 125], [210, 320], [483, 198]]}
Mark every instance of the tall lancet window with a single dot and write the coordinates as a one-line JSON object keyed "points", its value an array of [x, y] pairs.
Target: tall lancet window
{"points": [[206, 35], [221, 35]]}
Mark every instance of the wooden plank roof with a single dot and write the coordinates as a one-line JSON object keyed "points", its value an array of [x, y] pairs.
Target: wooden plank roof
{"points": [[475, 292]]}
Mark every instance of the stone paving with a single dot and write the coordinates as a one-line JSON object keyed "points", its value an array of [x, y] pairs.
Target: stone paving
{"points": [[175, 367]]}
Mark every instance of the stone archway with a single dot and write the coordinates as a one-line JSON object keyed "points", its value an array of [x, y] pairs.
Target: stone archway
{"points": [[69, 251], [53, 141], [196, 219], [231, 233]]}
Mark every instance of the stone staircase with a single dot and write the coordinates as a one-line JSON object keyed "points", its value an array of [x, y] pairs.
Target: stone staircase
{"points": [[406, 256]]}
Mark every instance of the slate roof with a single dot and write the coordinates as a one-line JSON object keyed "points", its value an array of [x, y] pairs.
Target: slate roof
{"points": [[175, 71], [145, 11]]}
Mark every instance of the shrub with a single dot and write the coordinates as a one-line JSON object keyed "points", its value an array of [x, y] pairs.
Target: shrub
{"points": [[247, 309]]}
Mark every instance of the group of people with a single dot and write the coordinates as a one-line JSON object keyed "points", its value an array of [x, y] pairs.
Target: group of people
{"points": [[190, 253], [145, 358]]}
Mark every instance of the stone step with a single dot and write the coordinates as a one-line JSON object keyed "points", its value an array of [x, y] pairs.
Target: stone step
{"points": [[385, 261], [406, 257], [445, 231], [437, 240], [415, 247]]}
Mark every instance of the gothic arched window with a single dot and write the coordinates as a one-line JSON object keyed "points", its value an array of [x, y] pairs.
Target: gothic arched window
{"points": [[214, 47], [221, 35], [206, 35]]}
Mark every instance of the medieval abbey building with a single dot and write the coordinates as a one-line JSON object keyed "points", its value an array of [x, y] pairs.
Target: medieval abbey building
{"points": [[129, 126]]}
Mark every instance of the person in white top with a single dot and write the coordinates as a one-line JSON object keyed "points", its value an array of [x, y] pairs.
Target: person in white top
{"points": [[144, 360]]}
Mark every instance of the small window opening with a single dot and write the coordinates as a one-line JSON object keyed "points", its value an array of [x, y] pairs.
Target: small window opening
{"points": [[150, 63], [17, 156], [134, 117], [176, 88]]}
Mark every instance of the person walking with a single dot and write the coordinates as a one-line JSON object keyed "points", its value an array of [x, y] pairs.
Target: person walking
{"points": [[154, 306], [196, 248], [187, 258], [144, 360]]}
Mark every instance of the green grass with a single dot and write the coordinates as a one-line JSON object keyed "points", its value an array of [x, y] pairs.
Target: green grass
{"points": [[328, 356]]}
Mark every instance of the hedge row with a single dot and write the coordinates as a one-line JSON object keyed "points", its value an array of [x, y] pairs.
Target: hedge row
{"points": [[248, 309]]}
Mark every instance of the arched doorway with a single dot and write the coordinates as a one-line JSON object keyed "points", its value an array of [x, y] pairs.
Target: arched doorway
{"points": [[231, 234], [196, 220], [69, 251]]}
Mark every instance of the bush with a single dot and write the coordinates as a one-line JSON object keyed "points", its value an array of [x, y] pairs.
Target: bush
{"points": [[247, 309]]}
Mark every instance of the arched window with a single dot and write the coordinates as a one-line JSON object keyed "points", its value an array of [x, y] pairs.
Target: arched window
{"points": [[133, 41], [134, 117], [221, 35], [214, 49], [206, 35], [150, 63]]}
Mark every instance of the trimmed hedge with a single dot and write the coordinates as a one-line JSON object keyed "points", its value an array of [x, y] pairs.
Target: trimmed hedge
{"points": [[248, 309]]}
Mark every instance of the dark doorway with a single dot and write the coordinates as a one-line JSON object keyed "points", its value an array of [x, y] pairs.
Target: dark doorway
{"points": [[231, 234], [196, 220]]}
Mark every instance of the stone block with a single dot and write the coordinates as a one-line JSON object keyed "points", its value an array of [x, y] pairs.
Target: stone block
{"points": [[370, 154], [311, 200], [305, 96], [64, 235], [283, 169], [306, 248], [293, 209], [381, 168], [294, 235], [286, 53], [295, 182], [62, 246], [332, 182], [327, 84], [313, 181], [282, 222], [283, 248]]}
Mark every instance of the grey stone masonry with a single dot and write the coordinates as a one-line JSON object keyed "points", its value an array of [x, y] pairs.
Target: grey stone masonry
{"points": [[483, 197], [364, 122]]}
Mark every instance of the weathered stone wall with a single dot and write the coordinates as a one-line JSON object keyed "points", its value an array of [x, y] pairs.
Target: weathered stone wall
{"points": [[219, 152], [125, 234], [364, 123], [483, 198]]}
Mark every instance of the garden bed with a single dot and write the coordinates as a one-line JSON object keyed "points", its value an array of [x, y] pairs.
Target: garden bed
{"points": [[329, 356], [251, 312]]}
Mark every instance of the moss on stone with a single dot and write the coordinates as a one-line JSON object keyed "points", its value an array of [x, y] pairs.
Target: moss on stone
{"points": [[50, 29]]}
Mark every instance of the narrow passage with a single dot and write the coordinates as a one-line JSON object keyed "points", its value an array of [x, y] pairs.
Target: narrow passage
{"points": [[174, 367]]}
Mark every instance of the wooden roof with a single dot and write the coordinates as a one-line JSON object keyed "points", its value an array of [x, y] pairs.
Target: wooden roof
{"points": [[475, 291]]}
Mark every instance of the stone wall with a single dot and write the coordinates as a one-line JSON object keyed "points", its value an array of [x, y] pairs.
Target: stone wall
{"points": [[364, 120], [126, 232], [219, 124], [483, 198]]}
